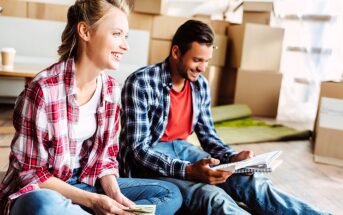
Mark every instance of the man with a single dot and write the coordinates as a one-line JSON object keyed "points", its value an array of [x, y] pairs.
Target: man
{"points": [[162, 105]]}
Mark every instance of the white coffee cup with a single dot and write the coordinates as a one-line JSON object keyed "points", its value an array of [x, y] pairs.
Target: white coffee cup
{"points": [[7, 57]]}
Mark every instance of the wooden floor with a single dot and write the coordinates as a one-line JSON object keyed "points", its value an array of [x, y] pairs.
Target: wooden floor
{"points": [[318, 184]]}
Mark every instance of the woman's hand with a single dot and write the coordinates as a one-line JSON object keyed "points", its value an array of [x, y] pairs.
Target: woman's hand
{"points": [[103, 204], [111, 188]]}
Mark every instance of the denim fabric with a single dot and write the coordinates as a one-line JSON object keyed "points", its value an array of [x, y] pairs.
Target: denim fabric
{"points": [[166, 196], [257, 191]]}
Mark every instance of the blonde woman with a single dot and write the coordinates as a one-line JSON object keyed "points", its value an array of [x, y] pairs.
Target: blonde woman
{"points": [[63, 154]]}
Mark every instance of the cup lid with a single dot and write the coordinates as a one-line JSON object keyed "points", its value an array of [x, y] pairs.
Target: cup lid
{"points": [[8, 50]]}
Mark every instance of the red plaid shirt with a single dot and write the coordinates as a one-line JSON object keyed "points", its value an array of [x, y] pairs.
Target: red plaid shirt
{"points": [[45, 117]]}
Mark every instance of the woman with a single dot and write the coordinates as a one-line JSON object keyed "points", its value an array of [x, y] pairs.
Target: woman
{"points": [[63, 155]]}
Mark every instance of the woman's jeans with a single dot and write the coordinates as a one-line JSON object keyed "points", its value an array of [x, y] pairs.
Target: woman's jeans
{"points": [[165, 195]]}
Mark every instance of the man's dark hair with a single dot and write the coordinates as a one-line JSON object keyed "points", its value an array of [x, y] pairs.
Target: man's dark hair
{"points": [[192, 31]]}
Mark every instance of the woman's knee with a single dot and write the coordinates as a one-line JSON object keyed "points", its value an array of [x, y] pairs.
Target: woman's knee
{"points": [[42, 201]]}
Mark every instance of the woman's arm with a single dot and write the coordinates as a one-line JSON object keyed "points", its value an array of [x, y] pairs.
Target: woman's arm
{"points": [[111, 188], [100, 204]]}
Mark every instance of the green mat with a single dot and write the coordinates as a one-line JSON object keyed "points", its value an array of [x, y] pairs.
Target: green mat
{"points": [[234, 126]]}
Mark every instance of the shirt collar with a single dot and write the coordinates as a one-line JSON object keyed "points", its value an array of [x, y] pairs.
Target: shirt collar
{"points": [[70, 82], [166, 76]]}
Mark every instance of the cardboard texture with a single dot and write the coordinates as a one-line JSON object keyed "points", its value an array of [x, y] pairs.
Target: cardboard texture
{"points": [[164, 27], [257, 17], [255, 47], [259, 90], [213, 74], [220, 50], [227, 86], [13, 8], [258, 5], [54, 12], [220, 27], [328, 141], [140, 21], [159, 50], [157, 7]]}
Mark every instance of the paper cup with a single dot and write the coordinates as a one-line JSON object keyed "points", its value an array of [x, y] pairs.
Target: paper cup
{"points": [[7, 57]]}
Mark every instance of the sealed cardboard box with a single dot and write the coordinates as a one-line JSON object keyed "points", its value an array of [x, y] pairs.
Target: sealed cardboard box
{"points": [[257, 17], [213, 75], [257, 5], [220, 27], [164, 27], [151, 6], [219, 51], [54, 12], [255, 47], [159, 50], [13, 8], [140, 21], [227, 86], [259, 90], [328, 146]]}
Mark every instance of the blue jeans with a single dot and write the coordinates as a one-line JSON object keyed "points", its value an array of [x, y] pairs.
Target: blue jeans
{"points": [[256, 191], [166, 196]]}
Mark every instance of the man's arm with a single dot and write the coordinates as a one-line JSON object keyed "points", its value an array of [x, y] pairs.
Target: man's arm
{"points": [[205, 130], [136, 130]]}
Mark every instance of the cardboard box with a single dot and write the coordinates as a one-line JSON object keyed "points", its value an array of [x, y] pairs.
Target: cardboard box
{"points": [[258, 5], [55, 12], [220, 50], [259, 90], [151, 6], [140, 21], [255, 47], [13, 8], [328, 147], [159, 50], [164, 27], [213, 75], [227, 86], [220, 27], [257, 17]]}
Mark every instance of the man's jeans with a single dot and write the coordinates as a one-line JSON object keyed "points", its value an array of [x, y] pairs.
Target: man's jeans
{"points": [[256, 191], [166, 196]]}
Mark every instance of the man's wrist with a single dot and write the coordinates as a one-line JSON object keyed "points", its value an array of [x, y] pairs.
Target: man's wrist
{"points": [[189, 170]]}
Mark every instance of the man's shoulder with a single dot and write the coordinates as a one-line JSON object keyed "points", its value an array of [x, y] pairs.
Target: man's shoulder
{"points": [[145, 73]]}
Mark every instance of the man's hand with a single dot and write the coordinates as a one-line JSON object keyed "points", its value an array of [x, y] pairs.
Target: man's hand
{"points": [[200, 171], [243, 155]]}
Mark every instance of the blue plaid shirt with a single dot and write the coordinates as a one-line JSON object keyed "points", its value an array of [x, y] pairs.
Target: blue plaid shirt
{"points": [[144, 117]]}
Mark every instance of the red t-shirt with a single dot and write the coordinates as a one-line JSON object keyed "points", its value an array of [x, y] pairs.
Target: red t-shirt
{"points": [[180, 119]]}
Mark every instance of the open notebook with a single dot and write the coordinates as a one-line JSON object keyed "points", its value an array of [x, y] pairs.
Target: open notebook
{"points": [[260, 163]]}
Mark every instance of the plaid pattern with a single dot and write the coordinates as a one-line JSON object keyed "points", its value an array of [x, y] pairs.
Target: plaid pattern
{"points": [[145, 110], [45, 117]]}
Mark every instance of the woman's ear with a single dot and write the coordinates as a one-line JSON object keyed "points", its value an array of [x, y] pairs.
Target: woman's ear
{"points": [[83, 30], [175, 52]]}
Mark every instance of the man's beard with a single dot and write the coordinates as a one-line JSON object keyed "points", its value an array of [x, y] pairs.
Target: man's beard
{"points": [[182, 70]]}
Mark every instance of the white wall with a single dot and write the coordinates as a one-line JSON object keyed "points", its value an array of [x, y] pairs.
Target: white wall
{"points": [[36, 42]]}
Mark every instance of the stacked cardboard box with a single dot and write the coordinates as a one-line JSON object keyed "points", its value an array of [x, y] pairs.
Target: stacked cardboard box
{"points": [[156, 7], [257, 11], [328, 147], [254, 67]]}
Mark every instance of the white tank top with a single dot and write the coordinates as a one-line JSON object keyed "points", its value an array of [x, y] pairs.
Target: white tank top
{"points": [[87, 121]]}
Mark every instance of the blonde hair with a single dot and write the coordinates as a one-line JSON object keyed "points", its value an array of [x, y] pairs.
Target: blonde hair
{"points": [[90, 12]]}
